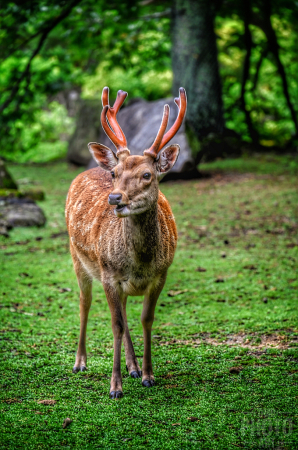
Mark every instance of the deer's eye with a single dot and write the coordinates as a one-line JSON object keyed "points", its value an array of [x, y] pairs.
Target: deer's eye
{"points": [[147, 175], [113, 174]]}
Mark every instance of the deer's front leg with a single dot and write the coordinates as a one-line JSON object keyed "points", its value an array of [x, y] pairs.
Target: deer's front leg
{"points": [[147, 319], [115, 302]]}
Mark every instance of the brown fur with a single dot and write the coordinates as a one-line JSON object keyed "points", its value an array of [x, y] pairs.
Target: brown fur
{"points": [[130, 254]]}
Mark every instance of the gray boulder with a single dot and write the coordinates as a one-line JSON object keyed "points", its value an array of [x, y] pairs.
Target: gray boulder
{"points": [[140, 121], [87, 130], [17, 212]]}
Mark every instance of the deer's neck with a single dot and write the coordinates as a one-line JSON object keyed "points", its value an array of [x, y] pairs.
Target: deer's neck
{"points": [[142, 234]]}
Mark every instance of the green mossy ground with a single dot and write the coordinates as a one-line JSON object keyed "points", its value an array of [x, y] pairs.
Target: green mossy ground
{"points": [[241, 228]]}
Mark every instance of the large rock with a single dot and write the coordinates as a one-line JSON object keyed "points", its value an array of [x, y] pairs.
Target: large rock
{"points": [[140, 121], [87, 130], [18, 209], [19, 212]]}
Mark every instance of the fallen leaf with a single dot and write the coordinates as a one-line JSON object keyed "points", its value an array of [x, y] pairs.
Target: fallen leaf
{"points": [[47, 402], [235, 370], [174, 424], [56, 235], [219, 280], [174, 293], [64, 290], [12, 400], [169, 362], [66, 422], [169, 375], [250, 246], [200, 269], [193, 419]]}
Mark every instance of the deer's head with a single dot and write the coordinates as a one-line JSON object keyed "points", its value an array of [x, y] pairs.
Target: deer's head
{"points": [[135, 178]]}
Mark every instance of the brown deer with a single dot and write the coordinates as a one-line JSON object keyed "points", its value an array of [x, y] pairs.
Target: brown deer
{"points": [[122, 232]]}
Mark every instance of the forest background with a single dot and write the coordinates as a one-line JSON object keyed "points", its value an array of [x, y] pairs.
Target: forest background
{"points": [[238, 63]]}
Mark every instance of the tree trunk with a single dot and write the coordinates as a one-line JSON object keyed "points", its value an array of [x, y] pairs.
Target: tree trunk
{"points": [[195, 65], [6, 180]]}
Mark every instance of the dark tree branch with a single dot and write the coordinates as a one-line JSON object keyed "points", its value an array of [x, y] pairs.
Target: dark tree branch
{"points": [[274, 48], [248, 44], [20, 46], [263, 55], [41, 41]]}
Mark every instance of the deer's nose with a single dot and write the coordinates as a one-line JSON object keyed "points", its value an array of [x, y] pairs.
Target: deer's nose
{"points": [[115, 199]]}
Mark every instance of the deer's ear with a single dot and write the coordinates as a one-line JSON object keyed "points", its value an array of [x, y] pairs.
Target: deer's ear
{"points": [[167, 159], [104, 157]]}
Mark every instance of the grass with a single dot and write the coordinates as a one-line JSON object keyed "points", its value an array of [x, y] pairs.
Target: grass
{"points": [[242, 229], [266, 163]]}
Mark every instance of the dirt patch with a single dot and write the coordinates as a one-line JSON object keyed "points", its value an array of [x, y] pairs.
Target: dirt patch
{"points": [[245, 340], [221, 179]]}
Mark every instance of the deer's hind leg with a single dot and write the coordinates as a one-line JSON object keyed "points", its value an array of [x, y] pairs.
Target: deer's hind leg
{"points": [[132, 364], [85, 285]]}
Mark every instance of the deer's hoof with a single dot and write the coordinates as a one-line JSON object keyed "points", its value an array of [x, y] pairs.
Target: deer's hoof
{"points": [[148, 383], [136, 374], [78, 369], [116, 394]]}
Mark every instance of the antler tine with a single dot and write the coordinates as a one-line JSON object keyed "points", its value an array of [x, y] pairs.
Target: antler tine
{"points": [[154, 149], [105, 97], [181, 102], [109, 132], [112, 127]]}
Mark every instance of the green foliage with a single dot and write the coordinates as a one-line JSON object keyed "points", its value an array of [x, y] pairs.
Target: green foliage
{"points": [[45, 140], [146, 72], [40, 327], [127, 45], [150, 85], [264, 98], [135, 55]]}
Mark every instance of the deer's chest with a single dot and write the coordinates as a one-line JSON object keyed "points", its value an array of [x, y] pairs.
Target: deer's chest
{"points": [[139, 274]]}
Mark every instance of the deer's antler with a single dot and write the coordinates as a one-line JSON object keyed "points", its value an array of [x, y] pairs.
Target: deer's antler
{"points": [[109, 120], [162, 139]]}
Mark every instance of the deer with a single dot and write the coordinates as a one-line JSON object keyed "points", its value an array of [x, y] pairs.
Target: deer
{"points": [[122, 232]]}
